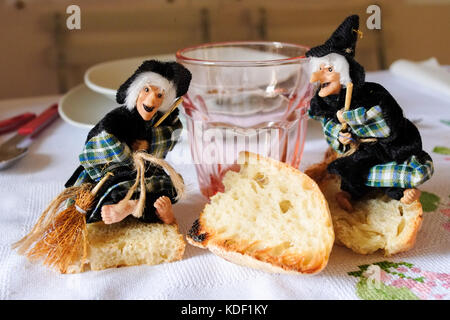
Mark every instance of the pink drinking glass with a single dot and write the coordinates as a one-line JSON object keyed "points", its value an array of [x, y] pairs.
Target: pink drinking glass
{"points": [[250, 96]]}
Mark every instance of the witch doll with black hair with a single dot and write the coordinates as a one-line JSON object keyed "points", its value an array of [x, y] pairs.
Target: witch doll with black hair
{"points": [[122, 169], [377, 147]]}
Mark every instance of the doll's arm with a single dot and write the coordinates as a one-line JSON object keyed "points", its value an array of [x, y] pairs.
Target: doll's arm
{"points": [[367, 123], [116, 122], [319, 109], [332, 132]]}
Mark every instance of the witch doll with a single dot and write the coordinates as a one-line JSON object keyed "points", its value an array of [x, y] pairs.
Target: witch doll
{"points": [[377, 147], [123, 157]]}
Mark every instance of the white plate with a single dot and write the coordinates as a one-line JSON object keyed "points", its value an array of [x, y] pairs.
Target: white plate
{"points": [[107, 77], [83, 107]]}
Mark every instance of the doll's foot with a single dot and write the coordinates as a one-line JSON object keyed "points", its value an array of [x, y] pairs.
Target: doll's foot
{"points": [[343, 199], [114, 213], [164, 210], [410, 195]]}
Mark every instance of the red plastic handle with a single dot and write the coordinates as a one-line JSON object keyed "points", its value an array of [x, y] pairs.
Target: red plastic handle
{"points": [[39, 123], [10, 124]]}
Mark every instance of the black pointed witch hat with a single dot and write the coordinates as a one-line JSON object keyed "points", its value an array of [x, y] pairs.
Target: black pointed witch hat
{"points": [[343, 42]]}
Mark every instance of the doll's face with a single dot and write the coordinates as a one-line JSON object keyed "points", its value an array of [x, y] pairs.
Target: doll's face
{"points": [[149, 100], [329, 80]]}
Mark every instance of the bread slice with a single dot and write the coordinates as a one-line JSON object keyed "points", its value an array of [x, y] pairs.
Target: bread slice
{"points": [[131, 242], [270, 217], [377, 221]]}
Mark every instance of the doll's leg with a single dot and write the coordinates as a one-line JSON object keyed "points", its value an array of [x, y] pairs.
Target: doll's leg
{"points": [[353, 172], [410, 195], [164, 209], [113, 213], [351, 190], [158, 208], [406, 196]]}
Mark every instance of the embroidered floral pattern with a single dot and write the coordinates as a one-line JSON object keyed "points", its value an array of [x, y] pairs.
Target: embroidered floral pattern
{"points": [[429, 201], [387, 280], [441, 150], [445, 210]]}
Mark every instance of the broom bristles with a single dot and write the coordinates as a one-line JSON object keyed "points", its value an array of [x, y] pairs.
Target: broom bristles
{"points": [[65, 243], [59, 237]]}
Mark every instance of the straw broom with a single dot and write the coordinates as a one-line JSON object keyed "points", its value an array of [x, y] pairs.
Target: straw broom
{"points": [[60, 237]]}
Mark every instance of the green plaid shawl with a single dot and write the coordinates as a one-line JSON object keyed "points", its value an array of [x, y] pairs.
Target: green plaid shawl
{"points": [[104, 152], [408, 174], [101, 154], [367, 124], [370, 124]]}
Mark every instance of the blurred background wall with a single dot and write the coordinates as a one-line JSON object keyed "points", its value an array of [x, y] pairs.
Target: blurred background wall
{"points": [[39, 55]]}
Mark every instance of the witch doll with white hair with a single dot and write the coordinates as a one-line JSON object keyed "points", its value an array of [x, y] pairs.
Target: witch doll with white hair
{"points": [[122, 169], [145, 97], [377, 147]]}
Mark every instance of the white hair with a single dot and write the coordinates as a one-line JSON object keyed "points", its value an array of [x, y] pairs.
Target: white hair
{"points": [[153, 79], [338, 62]]}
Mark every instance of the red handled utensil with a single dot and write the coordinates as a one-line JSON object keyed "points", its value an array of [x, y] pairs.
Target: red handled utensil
{"points": [[9, 150], [15, 122]]}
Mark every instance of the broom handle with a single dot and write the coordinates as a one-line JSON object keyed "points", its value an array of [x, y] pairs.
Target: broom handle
{"points": [[174, 106], [348, 99], [101, 182]]}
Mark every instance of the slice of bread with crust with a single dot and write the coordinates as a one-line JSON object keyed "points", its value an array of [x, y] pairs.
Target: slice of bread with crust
{"points": [[131, 242], [270, 217], [377, 221]]}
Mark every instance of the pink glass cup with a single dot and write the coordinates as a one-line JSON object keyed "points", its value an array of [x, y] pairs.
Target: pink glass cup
{"points": [[250, 96]]}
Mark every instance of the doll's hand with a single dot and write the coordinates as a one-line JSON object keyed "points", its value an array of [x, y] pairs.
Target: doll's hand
{"points": [[139, 145], [340, 117], [345, 137], [164, 209]]}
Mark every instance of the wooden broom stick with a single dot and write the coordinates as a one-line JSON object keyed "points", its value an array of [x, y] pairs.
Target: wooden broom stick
{"points": [[174, 106], [348, 99]]}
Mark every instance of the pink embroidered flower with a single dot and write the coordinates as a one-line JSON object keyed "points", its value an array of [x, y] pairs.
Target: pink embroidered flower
{"points": [[430, 275], [439, 296], [446, 226], [416, 270], [401, 283], [446, 212], [402, 269], [384, 276], [443, 276]]}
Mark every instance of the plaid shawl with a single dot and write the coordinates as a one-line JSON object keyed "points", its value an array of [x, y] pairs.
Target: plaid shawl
{"points": [[370, 124], [408, 174], [365, 124], [104, 153]]}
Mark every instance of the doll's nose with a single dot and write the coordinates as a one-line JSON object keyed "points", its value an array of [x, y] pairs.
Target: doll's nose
{"points": [[315, 77], [151, 99]]}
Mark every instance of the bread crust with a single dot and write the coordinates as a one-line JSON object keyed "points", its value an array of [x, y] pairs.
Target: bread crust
{"points": [[236, 252], [327, 181]]}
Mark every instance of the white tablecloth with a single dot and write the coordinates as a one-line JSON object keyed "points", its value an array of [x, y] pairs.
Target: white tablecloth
{"points": [[30, 185]]}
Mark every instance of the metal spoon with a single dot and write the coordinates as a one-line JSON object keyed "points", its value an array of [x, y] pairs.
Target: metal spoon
{"points": [[10, 151]]}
